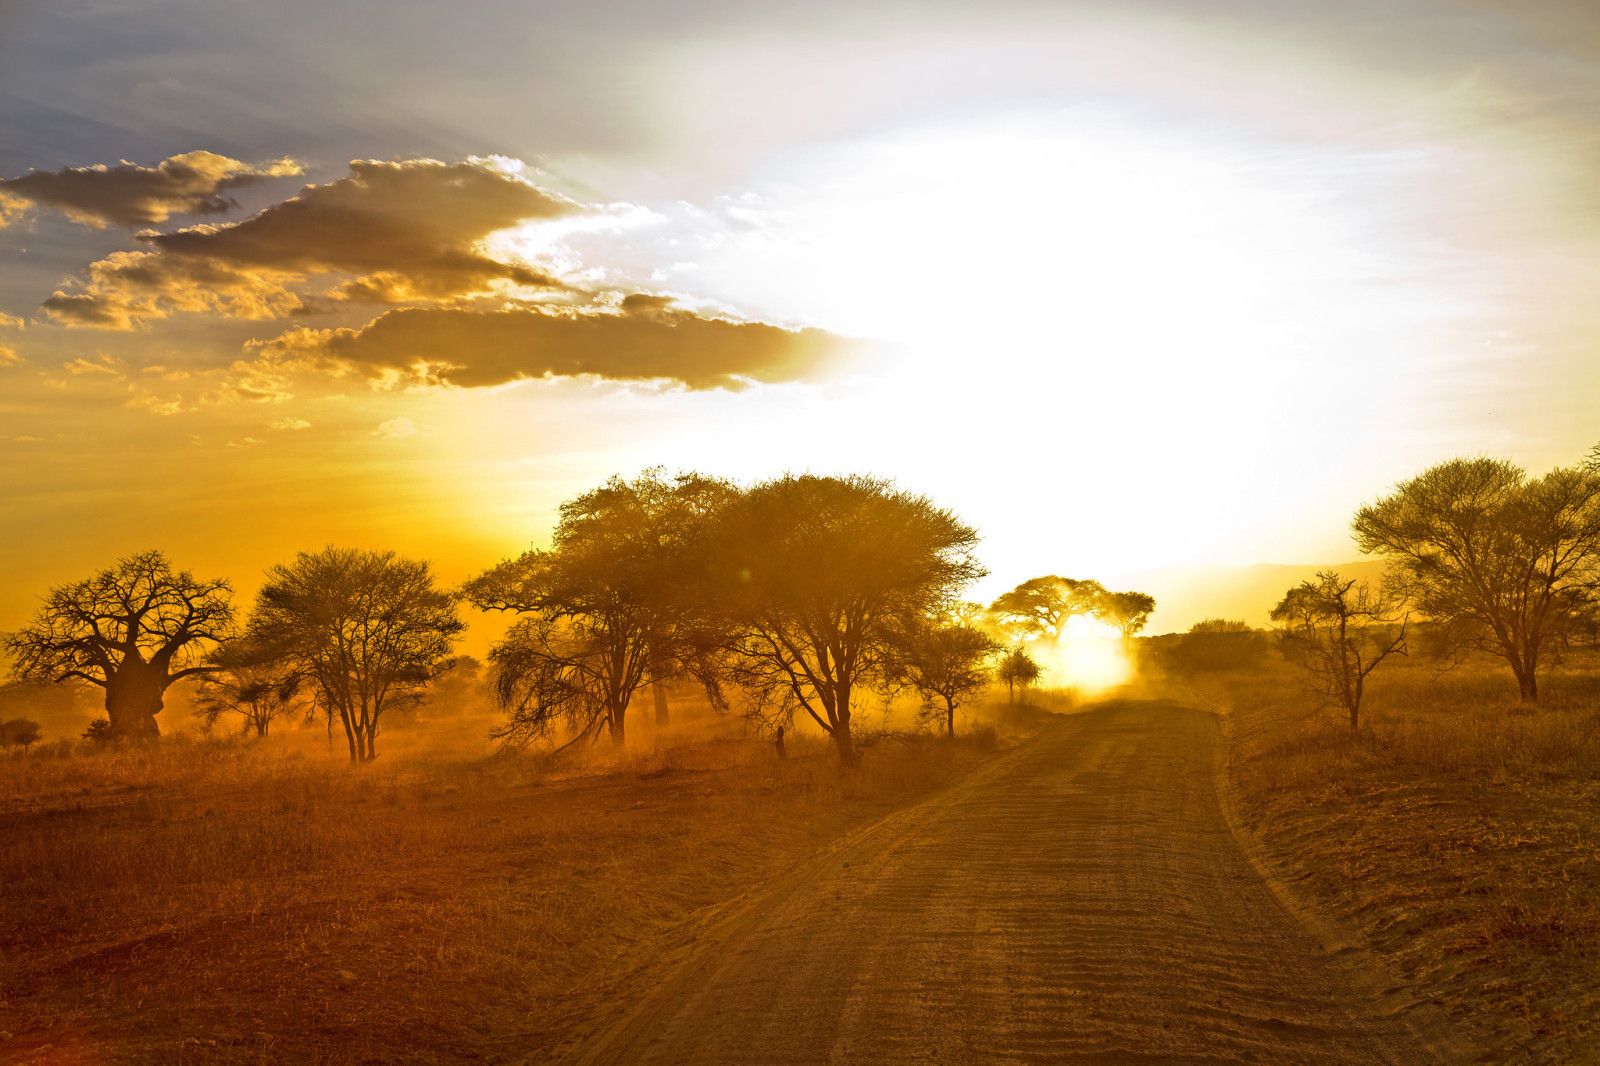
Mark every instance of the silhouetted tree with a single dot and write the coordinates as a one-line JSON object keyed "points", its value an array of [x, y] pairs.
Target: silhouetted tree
{"points": [[21, 733], [366, 630], [461, 689], [133, 629], [1041, 607], [1339, 630], [1499, 562], [811, 578], [610, 606], [945, 665], [1126, 611], [1018, 670], [259, 692]]}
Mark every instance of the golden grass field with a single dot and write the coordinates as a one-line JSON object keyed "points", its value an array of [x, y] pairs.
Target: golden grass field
{"points": [[1458, 833], [237, 901]]}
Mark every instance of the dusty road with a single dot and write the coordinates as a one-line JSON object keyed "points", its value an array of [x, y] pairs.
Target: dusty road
{"points": [[1080, 900]]}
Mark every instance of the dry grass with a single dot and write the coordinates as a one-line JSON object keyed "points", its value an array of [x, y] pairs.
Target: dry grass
{"points": [[224, 901], [1459, 831]]}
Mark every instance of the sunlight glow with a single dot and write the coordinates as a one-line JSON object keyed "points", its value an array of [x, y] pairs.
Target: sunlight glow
{"points": [[1090, 658]]}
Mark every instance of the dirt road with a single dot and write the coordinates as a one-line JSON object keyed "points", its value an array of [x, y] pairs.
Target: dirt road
{"points": [[1080, 900]]}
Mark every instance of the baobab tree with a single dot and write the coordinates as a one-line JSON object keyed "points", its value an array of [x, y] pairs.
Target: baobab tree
{"points": [[134, 630], [1501, 563], [810, 579]]}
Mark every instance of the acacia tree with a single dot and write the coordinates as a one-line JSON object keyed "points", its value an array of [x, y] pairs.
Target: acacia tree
{"points": [[133, 629], [609, 607], [1041, 607], [22, 733], [365, 630], [1339, 630], [1500, 562], [945, 665], [1018, 669], [259, 692], [810, 579], [1127, 611]]}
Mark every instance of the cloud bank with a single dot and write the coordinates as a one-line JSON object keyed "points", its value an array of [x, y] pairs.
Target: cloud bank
{"points": [[390, 232], [195, 183], [645, 340]]}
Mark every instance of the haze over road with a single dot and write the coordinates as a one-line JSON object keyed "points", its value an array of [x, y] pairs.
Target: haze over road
{"points": [[1080, 900]]}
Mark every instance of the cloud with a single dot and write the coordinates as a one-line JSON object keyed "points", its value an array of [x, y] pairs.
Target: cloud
{"points": [[288, 424], [401, 232], [130, 195], [9, 356], [396, 427], [645, 340]]}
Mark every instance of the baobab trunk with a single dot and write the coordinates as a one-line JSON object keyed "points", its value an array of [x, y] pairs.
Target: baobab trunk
{"points": [[659, 691], [133, 699]]}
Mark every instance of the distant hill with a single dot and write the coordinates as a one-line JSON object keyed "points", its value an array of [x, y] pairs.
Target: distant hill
{"points": [[1186, 594]]}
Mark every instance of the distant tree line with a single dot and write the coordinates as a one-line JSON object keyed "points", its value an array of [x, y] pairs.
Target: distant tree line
{"points": [[795, 596]]}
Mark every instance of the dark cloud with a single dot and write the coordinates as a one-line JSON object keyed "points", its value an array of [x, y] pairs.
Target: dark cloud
{"points": [[195, 183], [407, 231], [647, 340]]}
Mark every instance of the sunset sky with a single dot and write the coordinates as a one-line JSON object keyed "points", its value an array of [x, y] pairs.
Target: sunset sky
{"points": [[1126, 284]]}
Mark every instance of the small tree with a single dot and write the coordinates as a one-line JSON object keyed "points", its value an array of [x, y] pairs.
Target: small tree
{"points": [[1128, 612], [1339, 630], [1498, 562], [945, 665], [1018, 670], [366, 630], [260, 692], [133, 629], [21, 733]]}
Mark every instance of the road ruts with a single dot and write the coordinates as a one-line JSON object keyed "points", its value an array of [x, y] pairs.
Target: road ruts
{"points": [[1082, 900]]}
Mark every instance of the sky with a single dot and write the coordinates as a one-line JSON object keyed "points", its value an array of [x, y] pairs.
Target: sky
{"points": [[1128, 286]]}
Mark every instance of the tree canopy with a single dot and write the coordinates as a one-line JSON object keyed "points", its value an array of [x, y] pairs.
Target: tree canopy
{"points": [[945, 665], [811, 578], [1126, 611], [1041, 607], [366, 630], [611, 605], [133, 630], [1498, 561]]}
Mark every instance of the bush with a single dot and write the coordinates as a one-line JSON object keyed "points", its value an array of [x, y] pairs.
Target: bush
{"points": [[1217, 644]]}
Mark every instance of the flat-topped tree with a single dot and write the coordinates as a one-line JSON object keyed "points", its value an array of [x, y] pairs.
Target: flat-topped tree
{"points": [[1127, 612], [1041, 607], [133, 629]]}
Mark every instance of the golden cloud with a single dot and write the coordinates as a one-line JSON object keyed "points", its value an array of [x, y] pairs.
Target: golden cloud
{"points": [[646, 340], [130, 195], [407, 231]]}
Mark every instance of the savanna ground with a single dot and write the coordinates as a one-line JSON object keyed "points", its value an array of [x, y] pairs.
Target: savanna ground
{"points": [[238, 901], [1458, 834]]}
